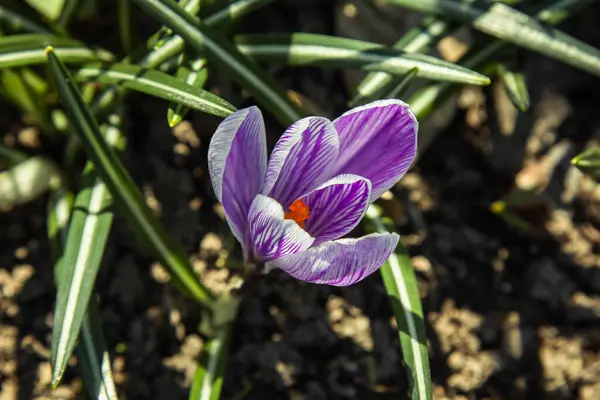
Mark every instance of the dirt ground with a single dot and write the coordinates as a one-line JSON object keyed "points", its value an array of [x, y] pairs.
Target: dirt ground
{"points": [[512, 310]]}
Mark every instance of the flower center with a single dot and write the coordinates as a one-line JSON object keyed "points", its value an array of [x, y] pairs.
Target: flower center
{"points": [[299, 212]]}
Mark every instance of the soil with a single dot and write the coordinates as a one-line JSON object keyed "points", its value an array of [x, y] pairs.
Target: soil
{"points": [[512, 310]]}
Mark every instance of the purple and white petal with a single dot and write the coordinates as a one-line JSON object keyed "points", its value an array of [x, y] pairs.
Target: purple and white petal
{"points": [[237, 162], [339, 263], [272, 235], [336, 207], [301, 159], [377, 141]]}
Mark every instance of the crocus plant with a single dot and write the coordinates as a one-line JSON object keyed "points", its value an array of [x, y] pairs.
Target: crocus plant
{"points": [[291, 211]]}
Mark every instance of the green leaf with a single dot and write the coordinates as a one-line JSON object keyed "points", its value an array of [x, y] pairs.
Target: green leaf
{"points": [[329, 51], [158, 84], [208, 380], [193, 73], [90, 225], [401, 85], [91, 349], [123, 190], [50, 9], [506, 23], [417, 40], [233, 12], [60, 206], [222, 53], [516, 88], [17, 86], [28, 49], [403, 293], [196, 75], [165, 33], [94, 356], [424, 101], [175, 45], [18, 15], [588, 162], [125, 22], [68, 12], [394, 89]]}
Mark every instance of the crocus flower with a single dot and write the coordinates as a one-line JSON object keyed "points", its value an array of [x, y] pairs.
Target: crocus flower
{"points": [[291, 211]]}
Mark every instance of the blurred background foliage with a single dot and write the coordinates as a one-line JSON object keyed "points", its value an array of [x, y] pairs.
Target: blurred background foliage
{"points": [[119, 278]]}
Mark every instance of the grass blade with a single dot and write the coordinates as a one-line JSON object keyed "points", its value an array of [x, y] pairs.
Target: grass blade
{"points": [[158, 84], [165, 33], [588, 162], [196, 75], [18, 16], [125, 22], [175, 45], [94, 356], [506, 23], [91, 349], [24, 93], [124, 192], [403, 292], [222, 53], [394, 89], [227, 15], [424, 101], [90, 225], [401, 86], [68, 12], [28, 49], [328, 51], [60, 206], [417, 40], [515, 86], [208, 380], [49, 10]]}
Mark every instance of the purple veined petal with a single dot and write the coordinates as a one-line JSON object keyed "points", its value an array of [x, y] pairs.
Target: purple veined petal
{"points": [[272, 235], [237, 162], [336, 207], [301, 159], [341, 262], [377, 141]]}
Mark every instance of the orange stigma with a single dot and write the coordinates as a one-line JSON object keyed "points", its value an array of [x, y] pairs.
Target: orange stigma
{"points": [[299, 212]]}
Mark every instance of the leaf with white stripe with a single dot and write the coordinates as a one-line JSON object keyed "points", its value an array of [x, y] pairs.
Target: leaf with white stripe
{"points": [[403, 292], [157, 84], [208, 380], [513, 26], [95, 364], [91, 348], [88, 231], [28, 49], [418, 39], [515, 86], [314, 50], [223, 54], [432, 97], [17, 15], [129, 200], [195, 75]]}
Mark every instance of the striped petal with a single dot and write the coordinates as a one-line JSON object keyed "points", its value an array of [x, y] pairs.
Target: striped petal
{"points": [[336, 207], [272, 235], [301, 160], [237, 162], [377, 141], [341, 262]]}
